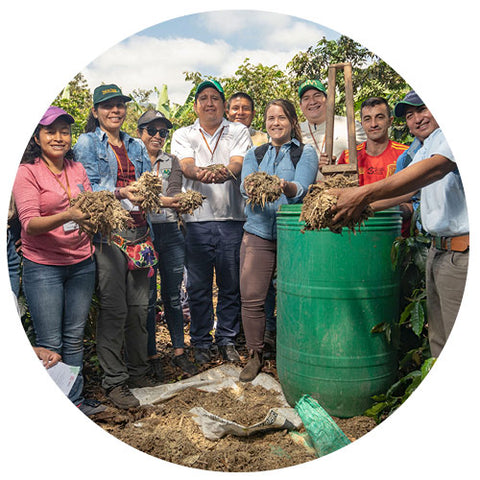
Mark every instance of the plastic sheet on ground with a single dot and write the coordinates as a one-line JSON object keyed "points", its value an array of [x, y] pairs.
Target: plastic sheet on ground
{"points": [[214, 380]]}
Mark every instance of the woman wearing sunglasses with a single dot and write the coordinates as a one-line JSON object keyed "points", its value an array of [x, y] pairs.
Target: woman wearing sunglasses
{"points": [[153, 130], [113, 160]]}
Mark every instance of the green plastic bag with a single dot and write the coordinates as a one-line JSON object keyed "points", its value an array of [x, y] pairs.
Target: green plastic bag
{"points": [[325, 434]]}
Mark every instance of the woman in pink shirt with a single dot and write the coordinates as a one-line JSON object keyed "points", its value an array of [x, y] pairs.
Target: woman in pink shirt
{"points": [[58, 265]]}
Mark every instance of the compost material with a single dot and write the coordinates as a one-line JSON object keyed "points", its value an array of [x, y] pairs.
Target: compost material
{"points": [[105, 211], [262, 188], [217, 168], [189, 201], [149, 186], [317, 206]]}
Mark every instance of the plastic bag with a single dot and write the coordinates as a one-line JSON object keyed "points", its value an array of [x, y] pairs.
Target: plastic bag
{"points": [[325, 434]]}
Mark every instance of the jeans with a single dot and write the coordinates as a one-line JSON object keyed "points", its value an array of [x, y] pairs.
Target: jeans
{"points": [[170, 246], [59, 298], [121, 324], [213, 246]]}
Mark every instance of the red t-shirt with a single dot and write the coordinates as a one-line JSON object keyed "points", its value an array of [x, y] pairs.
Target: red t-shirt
{"points": [[374, 168]]}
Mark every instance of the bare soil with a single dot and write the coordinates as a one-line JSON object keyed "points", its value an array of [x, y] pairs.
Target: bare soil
{"points": [[167, 430]]}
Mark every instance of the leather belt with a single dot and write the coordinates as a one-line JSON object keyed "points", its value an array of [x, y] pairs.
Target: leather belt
{"points": [[456, 244]]}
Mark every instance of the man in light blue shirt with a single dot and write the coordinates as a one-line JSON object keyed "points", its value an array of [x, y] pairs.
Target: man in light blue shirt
{"points": [[443, 212]]}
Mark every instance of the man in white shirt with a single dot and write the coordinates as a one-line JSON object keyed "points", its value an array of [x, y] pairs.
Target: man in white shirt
{"points": [[313, 103], [214, 231]]}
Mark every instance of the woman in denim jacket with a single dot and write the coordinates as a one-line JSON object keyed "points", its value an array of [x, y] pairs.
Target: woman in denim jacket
{"points": [[258, 252], [113, 160]]}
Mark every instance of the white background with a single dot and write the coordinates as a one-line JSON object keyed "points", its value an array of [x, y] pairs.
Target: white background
{"points": [[433, 45]]}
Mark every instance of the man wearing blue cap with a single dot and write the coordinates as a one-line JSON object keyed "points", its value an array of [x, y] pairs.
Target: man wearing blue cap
{"points": [[214, 231], [434, 172], [313, 103]]}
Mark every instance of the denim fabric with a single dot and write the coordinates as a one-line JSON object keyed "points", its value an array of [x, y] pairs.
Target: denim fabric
{"points": [[59, 299], [170, 246], [261, 221], [92, 150], [121, 324], [270, 302], [13, 234], [209, 246]]}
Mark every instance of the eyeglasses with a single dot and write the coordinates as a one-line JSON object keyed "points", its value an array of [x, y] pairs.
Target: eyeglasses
{"points": [[152, 131]]}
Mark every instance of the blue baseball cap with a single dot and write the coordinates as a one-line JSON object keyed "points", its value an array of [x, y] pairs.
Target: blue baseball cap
{"points": [[411, 99]]}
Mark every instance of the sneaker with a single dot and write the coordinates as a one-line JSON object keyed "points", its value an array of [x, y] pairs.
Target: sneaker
{"points": [[122, 397], [91, 407], [202, 355], [253, 367], [149, 379], [183, 362], [228, 352]]}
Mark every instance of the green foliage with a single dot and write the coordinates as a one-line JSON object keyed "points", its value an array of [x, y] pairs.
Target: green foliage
{"points": [[409, 334]]}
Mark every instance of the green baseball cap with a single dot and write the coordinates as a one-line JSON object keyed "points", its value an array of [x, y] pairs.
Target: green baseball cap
{"points": [[210, 84], [308, 84], [106, 92]]}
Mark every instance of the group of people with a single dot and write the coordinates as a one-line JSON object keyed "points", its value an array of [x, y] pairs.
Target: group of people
{"points": [[228, 240]]}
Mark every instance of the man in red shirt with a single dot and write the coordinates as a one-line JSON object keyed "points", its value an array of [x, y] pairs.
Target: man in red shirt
{"points": [[376, 157]]}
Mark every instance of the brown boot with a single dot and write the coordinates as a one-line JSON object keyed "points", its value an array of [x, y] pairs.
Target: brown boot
{"points": [[253, 367]]}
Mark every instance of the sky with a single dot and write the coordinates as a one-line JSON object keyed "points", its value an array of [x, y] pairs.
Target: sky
{"points": [[212, 43]]}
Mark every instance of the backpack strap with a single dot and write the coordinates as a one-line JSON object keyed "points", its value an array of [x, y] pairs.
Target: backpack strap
{"points": [[295, 152]]}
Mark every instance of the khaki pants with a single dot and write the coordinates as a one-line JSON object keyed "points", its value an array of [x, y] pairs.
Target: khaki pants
{"points": [[446, 273]]}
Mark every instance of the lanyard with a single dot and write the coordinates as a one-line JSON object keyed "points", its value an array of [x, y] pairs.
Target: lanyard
{"points": [[320, 150], [67, 188], [216, 144]]}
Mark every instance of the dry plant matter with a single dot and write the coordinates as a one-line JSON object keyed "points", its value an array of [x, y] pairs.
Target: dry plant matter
{"points": [[262, 188], [317, 206], [106, 212], [149, 186], [189, 201], [218, 167]]}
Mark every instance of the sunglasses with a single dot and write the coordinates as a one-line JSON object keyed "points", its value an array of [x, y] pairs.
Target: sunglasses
{"points": [[152, 131]]}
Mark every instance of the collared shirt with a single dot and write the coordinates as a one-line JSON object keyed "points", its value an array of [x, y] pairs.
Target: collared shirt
{"points": [[262, 221], [443, 205], [223, 201]]}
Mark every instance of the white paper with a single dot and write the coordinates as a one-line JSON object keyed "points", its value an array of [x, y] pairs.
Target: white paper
{"points": [[63, 375]]}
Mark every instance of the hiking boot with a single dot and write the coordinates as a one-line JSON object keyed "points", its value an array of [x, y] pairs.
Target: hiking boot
{"points": [[228, 352], [202, 355], [156, 368], [122, 397], [149, 379], [253, 367], [183, 362], [91, 407]]}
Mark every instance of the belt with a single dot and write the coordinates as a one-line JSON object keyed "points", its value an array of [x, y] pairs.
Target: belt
{"points": [[456, 244]]}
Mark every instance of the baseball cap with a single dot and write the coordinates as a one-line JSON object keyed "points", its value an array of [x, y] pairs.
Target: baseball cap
{"points": [[212, 84], [151, 115], [106, 92], [410, 99], [308, 84], [52, 114]]}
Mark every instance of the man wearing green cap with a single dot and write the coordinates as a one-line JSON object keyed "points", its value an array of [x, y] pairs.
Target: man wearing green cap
{"points": [[214, 231], [313, 103], [433, 171]]}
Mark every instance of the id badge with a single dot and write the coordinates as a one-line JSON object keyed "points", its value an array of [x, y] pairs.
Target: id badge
{"points": [[70, 226]]}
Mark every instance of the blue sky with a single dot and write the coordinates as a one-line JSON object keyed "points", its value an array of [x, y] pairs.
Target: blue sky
{"points": [[213, 43]]}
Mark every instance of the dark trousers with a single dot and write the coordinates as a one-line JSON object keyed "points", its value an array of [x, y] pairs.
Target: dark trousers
{"points": [[213, 247]]}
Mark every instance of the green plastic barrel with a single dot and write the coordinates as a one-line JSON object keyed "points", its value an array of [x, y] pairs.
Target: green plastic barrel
{"points": [[332, 289]]}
